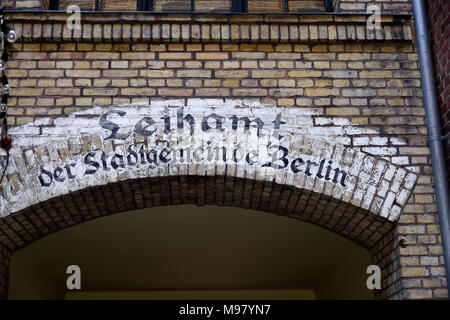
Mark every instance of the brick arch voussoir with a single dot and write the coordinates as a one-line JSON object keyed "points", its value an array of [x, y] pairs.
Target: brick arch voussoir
{"points": [[31, 224]]}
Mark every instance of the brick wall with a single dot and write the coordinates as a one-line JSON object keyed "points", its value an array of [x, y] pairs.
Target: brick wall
{"points": [[438, 17], [23, 4], [386, 6], [359, 88]]}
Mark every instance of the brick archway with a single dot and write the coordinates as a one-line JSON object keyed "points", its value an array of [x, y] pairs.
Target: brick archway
{"points": [[110, 160]]}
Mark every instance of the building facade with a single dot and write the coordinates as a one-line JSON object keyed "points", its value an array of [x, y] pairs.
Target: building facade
{"points": [[437, 16], [143, 109]]}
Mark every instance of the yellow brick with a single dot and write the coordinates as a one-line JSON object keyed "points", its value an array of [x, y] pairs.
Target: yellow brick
{"points": [[54, 47], [100, 64], [102, 82], [323, 83], [249, 64], [248, 47], [155, 83], [193, 47], [320, 48], [211, 64], [102, 101], [375, 74], [175, 55], [212, 47], [355, 65], [287, 83], [304, 83], [322, 65], [175, 92], [388, 49], [138, 55], [122, 47], [353, 56], [84, 47], [83, 101], [212, 83], [28, 83], [286, 102], [16, 73], [213, 92], [138, 64], [285, 64], [195, 64], [230, 47], [119, 73], [100, 91], [231, 83], [82, 64], [64, 64], [283, 48], [212, 56], [62, 91], [23, 120], [139, 47], [232, 74], [64, 101], [26, 102], [336, 48], [269, 83], [43, 111], [175, 82], [194, 83], [322, 92], [353, 48], [140, 100], [176, 47], [119, 83], [338, 65], [301, 48], [46, 83], [342, 111], [250, 92], [265, 47], [361, 121], [269, 73], [194, 73], [119, 64], [396, 102], [319, 56], [102, 55], [414, 272], [31, 47], [25, 92], [103, 47], [83, 73], [83, 82], [304, 74], [341, 83], [157, 47]]}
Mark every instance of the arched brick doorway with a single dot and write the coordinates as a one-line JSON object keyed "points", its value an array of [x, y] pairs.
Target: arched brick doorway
{"points": [[35, 222], [22, 228], [200, 151]]}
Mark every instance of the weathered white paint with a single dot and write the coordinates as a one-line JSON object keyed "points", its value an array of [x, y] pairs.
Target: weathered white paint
{"points": [[372, 183]]}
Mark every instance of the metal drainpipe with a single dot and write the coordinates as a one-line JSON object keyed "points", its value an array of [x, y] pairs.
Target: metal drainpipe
{"points": [[435, 138]]}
